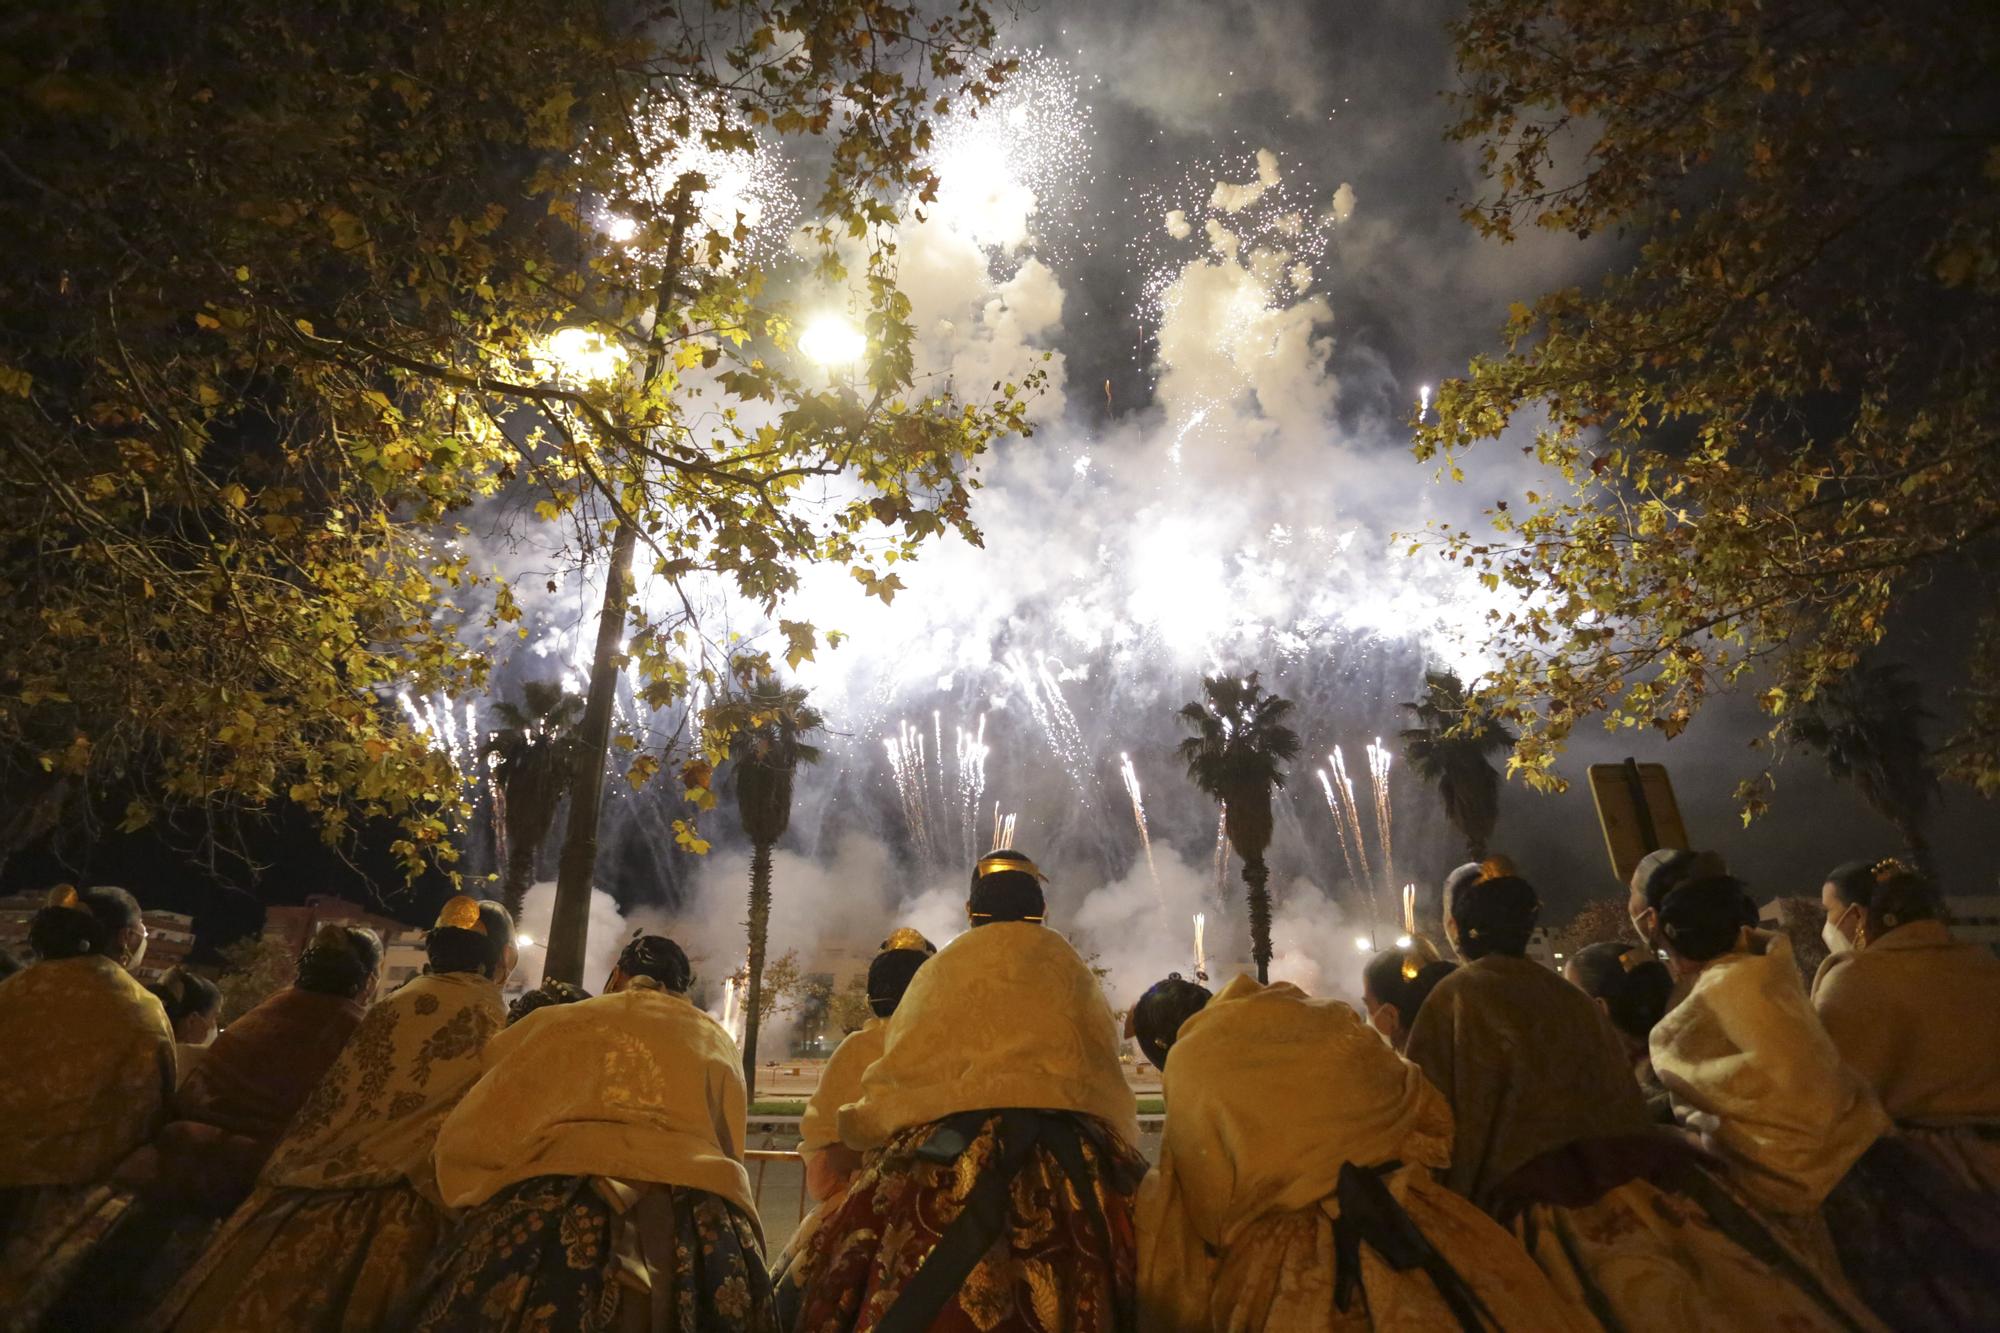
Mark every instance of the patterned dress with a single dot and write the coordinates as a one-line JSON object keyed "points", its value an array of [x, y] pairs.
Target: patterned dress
{"points": [[562, 1253], [1064, 1260], [347, 1212]]}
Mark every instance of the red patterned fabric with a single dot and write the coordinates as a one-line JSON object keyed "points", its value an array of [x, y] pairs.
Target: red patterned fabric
{"points": [[1055, 1268]]}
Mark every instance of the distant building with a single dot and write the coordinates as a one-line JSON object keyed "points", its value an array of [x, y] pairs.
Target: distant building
{"points": [[402, 944], [1976, 919]]}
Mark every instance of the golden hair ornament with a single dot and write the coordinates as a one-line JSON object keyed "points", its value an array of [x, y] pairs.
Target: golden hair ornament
{"points": [[65, 895], [460, 913], [1634, 956], [1887, 869], [995, 862], [1496, 867], [907, 937]]}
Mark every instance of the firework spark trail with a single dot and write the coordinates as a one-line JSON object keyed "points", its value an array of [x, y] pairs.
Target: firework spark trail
{"points": [[1222, 853], [937, 748], [1378, 777], [1131, 776], [906, 765], [1070, 734], [1200, 954], [971, 755], [1174, 448], [1351, 812], [1339, 825], [1003, 829]]}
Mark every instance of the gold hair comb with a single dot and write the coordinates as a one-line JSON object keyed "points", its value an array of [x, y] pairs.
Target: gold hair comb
{"points": [[1888, 868], [994, 863], [64, 895], [1634, 956], [906, 937], [460, 913], [1496, 867]]}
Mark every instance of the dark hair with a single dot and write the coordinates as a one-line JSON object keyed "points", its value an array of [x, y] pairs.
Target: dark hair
{"points": [[1658, 873], [1633, 984], [1006, 895], [889, 976], [550, 992], [657, 957], [1894, 894], [1401, 978], [90, 927], [339, 960], [452, 949], [10, 962], [1157, 1018], [1495, 915], [184, 995], [1703, 917]]}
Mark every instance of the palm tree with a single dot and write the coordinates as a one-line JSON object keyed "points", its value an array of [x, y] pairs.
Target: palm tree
{"points": [[1869, 725], [534, 757], [1452, 747], [767, 748], [1237, 755]]}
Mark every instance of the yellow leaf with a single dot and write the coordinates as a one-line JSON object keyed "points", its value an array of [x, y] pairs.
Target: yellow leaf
{"points": [[208, 321], [303, 326], [233, 495]]}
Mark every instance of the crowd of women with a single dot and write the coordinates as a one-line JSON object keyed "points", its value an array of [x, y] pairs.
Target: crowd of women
{"points": [[1674, 1133]]}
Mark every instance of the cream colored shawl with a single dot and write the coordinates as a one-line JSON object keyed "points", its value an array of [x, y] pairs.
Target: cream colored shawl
{"points": [[1528, 1063], [840, 1084], [637, 1086], [1269, 1093], [1005, 1015], [373, 1119], [1752, 1071], [1911, 1013], [88, 1058]]}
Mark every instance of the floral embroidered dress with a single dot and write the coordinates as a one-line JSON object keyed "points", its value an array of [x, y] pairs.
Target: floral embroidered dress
{"points": [[831, 1165], [1281, 1203], [999, 1179], [1629, 1222], [89, 1065], [347, 1209], [600, 1158]]}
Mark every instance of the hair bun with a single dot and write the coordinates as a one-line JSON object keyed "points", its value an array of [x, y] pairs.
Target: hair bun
{"points": [[460, 912]]}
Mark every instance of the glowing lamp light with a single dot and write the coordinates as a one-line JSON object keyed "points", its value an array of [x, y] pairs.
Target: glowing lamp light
{"points": [[1402, 941], [832, 341], [1361, 944], [524, 941], [583, 355]]}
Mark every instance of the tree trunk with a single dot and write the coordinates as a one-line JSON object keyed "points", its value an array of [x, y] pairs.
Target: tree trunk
{"points": [[753, 993], [569, 923], [1254, 877], [1920, 848], [519, 876]]}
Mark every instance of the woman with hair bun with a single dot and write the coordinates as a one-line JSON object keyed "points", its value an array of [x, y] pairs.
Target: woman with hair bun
{"points": [[1804, 1137], [599, 1161], [194, 1010], [1633, 987], [346, 1209], [89, 1065], [226, 1118], [1552, 1138], [1394, 985], [1890, 996]]}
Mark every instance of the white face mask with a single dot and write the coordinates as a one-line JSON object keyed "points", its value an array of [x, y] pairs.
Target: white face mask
{"points": [[1836, 940]]}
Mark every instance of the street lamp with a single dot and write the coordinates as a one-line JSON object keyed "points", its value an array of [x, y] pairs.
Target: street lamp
{"points": [[583, 356], [832, 341]]}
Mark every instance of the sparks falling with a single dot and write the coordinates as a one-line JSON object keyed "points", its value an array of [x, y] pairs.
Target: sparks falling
{"points": [[1222, 854], [1200, 953], [1003, 830], [1349, 812], [1131, 776], [1378, 778], [971, 751]]}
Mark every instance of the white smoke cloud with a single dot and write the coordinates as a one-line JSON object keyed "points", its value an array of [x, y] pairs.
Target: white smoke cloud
{"points": [[1235, 198], [1342, 207]]}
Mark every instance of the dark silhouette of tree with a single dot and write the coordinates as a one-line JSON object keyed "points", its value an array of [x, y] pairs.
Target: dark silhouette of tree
{"points": [[1869, 726], [767, 745], [1237, 755], [534, 757], [1452, 748]]}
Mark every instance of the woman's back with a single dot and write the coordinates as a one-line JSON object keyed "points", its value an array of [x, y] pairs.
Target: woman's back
{"points": [[90, 1061], [1528, 1063]]}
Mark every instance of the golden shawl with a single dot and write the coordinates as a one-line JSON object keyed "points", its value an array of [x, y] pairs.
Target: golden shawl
{"points": [[1890, 1009], [1528, 1063], [839, 1084], [373, 1119], [1752, 1071], [637, 1086], [1248, 1138], [89, 1066], [1004, 1015]]}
